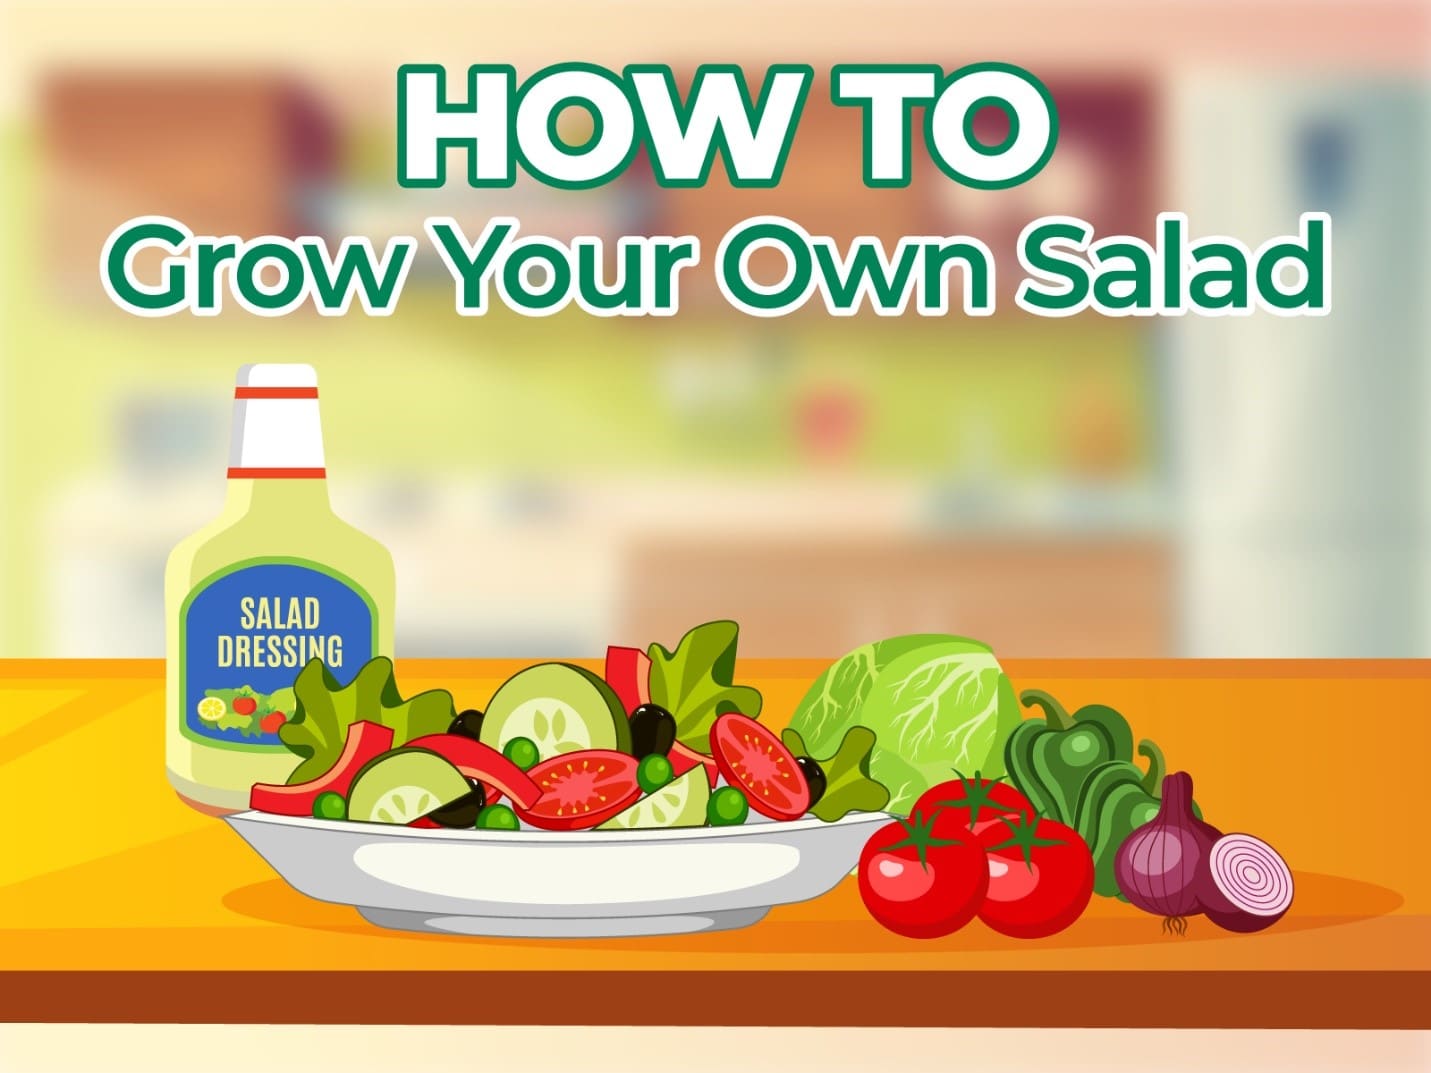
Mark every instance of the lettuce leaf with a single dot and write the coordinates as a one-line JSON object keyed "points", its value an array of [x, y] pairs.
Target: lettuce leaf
{"points": [[324, 710], [695, 683], [848, 786]]}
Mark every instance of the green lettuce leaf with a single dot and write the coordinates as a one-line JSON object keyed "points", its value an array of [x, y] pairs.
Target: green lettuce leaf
{"points": [[848, 786], [324, 710], [695, 683]]}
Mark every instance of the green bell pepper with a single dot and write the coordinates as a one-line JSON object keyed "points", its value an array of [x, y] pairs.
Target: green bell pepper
{"points": [[1050, 759], [1117, 799]]}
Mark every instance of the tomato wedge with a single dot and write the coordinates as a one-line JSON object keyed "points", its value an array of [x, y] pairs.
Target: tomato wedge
{"points": [[582, 789], [485, 764], [752, 759], [364, 742]]}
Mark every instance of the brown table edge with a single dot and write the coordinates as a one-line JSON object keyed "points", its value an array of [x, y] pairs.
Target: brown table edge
{"points": [[1350, 999]]}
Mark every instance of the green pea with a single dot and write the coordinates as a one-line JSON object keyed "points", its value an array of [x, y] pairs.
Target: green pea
{"points": [[330, 806], [653, 772], [727, 807], [498, 817], [523, 752]]}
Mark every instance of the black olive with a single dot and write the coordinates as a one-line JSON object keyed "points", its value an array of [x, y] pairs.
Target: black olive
{"points": [[468, 724], [653, 730], [814, 777], [463, 811]]}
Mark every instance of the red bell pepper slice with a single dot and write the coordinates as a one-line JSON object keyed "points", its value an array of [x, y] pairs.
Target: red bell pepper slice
{"points": [[628, 672], [483, 763], [364, 742]]}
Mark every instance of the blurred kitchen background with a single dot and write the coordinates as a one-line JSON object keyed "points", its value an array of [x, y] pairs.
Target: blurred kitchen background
{"points": [[1090, 487]]}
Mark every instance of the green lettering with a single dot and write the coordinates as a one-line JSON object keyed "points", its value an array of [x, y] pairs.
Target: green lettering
{"points": [[1170, 253], [247, 275], [589, 283], [978, 272], [514, 276], [1230, 281], [467, 267], [1310, 254], [210, 257], [794, 290], [670, 259], [1139, 274], [123, 288], [865, 263], [333, 285], [1054, 263]]}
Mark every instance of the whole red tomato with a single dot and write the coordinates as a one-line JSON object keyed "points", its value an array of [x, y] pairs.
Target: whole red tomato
{"points": [[1040, 877], [918, 885], [970, 805]]}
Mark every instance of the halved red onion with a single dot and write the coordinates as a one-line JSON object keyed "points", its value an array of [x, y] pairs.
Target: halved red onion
{"points": [[1252, 885]]}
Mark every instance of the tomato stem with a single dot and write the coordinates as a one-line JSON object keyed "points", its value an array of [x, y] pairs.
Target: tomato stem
{"points": [[920, 835], [1023, 833], [976, 796]]}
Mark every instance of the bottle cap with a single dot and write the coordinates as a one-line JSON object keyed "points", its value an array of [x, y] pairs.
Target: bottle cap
{"points": [[276, 381], [276, 432]]}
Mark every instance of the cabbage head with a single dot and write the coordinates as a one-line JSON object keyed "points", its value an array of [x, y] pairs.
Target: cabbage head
{"points": [[936, 703]]}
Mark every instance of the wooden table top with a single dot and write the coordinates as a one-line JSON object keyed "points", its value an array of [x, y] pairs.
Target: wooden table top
{"points": [[118, 903]]}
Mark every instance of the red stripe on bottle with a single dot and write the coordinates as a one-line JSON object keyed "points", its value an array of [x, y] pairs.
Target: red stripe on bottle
{"points": [[275, 392], [261, 473]]}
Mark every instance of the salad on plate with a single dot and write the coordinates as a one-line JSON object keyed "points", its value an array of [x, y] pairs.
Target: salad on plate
{"points": [[664, 739]]}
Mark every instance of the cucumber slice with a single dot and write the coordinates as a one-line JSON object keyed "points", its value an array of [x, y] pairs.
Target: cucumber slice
{"points": [[560, 709], [677, 804], [404, 785]]}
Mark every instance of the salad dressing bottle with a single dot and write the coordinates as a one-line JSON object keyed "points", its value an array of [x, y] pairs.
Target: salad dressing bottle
{"points": [[274, 581]]}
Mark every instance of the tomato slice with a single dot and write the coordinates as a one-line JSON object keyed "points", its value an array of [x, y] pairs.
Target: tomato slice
{"points": [[753, 759], [483, 763], [365, 741], [582, 789]]}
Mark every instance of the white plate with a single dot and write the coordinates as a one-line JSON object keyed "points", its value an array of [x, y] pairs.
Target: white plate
{"points": [[547, 883]]}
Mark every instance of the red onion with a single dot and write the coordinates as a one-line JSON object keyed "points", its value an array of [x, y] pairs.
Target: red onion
{"points": [[1159, 865], [1247, 886]]}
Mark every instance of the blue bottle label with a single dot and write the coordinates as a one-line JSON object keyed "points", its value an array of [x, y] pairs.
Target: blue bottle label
{"points": [[246, 633]]}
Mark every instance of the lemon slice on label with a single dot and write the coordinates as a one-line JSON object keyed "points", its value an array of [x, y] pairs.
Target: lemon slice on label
{"points": [[212, 709]]}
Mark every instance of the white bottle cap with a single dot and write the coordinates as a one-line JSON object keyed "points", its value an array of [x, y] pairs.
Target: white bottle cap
{"points": [[276, 429], [273, 375]]}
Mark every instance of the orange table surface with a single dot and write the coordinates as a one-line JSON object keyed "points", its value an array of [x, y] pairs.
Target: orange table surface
{"points": [[118, 903]]}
